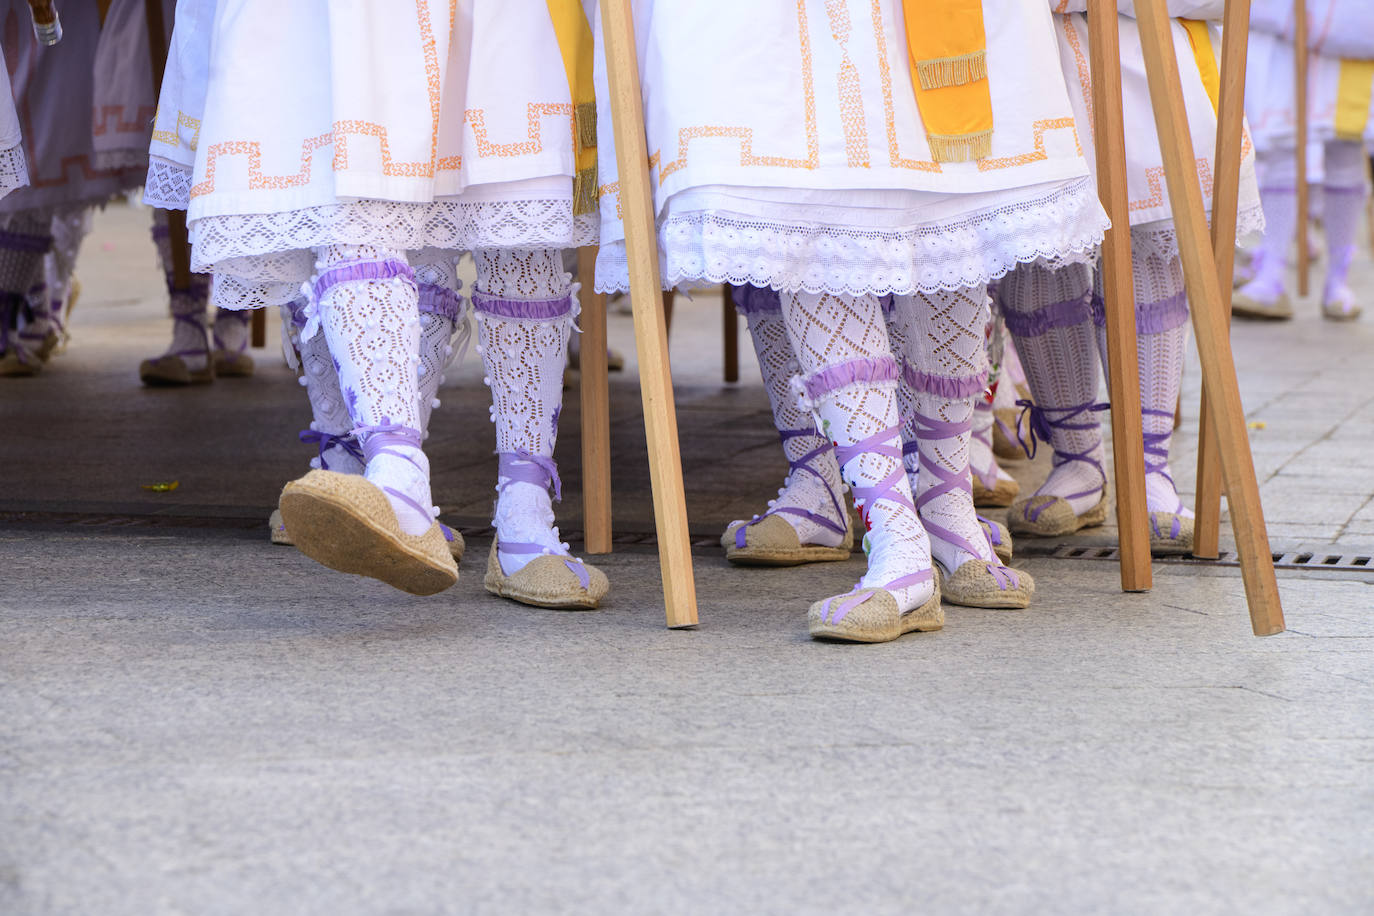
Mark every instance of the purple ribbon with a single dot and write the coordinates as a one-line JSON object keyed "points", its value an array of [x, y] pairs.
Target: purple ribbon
{"points": [[527, 467], [326, 441]]}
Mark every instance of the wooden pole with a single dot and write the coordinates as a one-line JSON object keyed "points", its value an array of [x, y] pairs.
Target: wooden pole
{"points": [[259, 328], [1235, 40], [1300, 116], [651, 337], [1210, 324], [730, 337], [1123, 369], [596, 411]]}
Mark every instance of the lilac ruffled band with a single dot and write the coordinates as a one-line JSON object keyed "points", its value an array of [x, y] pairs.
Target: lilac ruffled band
{"points": [[530, 309], [945, 386], [15, 241], [1161, 316], [831, 378], [355, 271], [439, 300], [754, 300], [1063, 314]]}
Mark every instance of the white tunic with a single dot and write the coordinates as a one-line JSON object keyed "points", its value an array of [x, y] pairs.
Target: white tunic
{"points": [[320, 122], [122, 116], [787, 151]]}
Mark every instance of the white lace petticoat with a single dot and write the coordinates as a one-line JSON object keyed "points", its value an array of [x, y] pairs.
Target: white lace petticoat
{"points": [[14, 170], [1062, 226]]}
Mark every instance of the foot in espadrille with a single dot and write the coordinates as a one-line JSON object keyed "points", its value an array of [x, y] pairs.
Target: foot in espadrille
{"points": [[230, 338], [187, 360], [808, 521], [1046, 515], [999, 538], [552, 580], [279, 536], [871, 615], [345, 522], [1171, 534], [979, 583]]}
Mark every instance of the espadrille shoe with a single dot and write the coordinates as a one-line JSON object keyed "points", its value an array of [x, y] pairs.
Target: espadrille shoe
{"points": [[233, 365], [1003, 494], [1245, 305], [1009, 430], [874, 618], [1050, 516], [1170, 534], [771, 541], [18, 365], [171, 370], [549, 580], [345, 522], [978, 583], [456, 545], [998, 537]]}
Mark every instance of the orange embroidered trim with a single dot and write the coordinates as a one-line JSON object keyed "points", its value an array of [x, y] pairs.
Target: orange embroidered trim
{"points": [[107, 113], [850, 89], [172, 137]]}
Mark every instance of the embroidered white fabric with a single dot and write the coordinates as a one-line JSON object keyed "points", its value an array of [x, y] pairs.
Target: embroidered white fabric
{"points": [[779, 366], [14, 169], [266, 256], [828, 330], [717, 246], [168, 186]]}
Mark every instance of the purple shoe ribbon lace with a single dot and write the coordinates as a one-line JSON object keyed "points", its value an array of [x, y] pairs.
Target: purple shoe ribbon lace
{"points": [[1042, 427], [326, 441], [994, 536], [880, 443], [802, 465], [1157, 462], [385, 439], [239, 315], [929, 429], [525, 467]]}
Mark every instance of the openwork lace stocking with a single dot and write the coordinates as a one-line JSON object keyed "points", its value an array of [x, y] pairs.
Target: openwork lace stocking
{"points": [[365, 302], [190, 323], [1161, 326], [525, 312], [849, 382], [812, 497], [331, 427], [24, 316], [945, 368], [1049, 315], [1343, 197], [69, 227], [442, 312]]}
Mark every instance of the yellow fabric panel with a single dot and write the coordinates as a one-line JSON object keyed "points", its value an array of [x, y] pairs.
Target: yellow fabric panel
{"points": [[1353, 91], [948, 50], [1205, 56], [575, 45]]}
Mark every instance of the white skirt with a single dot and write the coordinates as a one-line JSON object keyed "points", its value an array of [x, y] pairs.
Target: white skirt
{"points": [[14, 171], [436, 125], [1149, 198], [53, 90], [124, 99], [1270, 90], [793, 156]]}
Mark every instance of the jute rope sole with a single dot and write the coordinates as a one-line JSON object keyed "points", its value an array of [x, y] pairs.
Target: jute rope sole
{"points": [[546, 581], [971, 585], [343, 521], [773, 542], [1056, 518], [875, 619], [280, 536], [173, 371]]}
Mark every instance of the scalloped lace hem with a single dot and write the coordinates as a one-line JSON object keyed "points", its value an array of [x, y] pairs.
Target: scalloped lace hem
{"points": [[263, 258], [14, 169], [1061, 227], [168, 186]]}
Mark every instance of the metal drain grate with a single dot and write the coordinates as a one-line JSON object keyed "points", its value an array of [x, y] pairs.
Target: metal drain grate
{"points": [[1293, 559]]}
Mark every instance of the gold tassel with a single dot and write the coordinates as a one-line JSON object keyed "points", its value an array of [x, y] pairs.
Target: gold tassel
{"points": [[584, 116], [939, 72], [966, 148], [585, 192]]}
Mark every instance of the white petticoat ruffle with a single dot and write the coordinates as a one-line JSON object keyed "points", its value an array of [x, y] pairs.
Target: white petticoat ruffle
{"points": [[14, 169], [1063, 226], [261, 259]]}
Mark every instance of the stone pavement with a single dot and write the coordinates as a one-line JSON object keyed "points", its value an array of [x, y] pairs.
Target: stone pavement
{"points": [[192, 721]]}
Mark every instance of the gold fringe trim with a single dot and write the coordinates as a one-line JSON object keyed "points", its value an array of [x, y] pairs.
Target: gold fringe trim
{"points": [[965, 148], [939, 72], [585, 192], [584, 120]]}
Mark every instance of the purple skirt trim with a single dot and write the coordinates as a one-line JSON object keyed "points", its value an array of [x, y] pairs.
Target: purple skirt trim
{"points": [[1063, 314], [362, 271], [1161, 316], [14, 241], [753, 300], [439, 300], [534, 310], [879, 369], [944, 386]]}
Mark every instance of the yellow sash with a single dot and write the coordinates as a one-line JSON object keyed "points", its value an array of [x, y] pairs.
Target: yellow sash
{"points": [[1205, 56], [948, 51], [575, 44], [1353, 89]]}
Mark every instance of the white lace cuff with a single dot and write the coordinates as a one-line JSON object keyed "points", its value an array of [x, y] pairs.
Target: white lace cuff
{"points": [[14, 170]]}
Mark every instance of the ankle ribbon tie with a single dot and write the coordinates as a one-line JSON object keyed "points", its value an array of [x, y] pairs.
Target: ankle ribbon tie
{"points": [[1042, 426], [326, 441], [525, 467]]}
